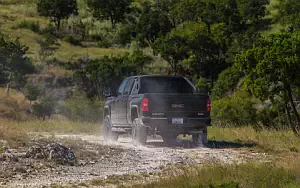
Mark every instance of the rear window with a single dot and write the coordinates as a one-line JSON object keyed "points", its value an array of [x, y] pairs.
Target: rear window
{"points": [[165, 85]]}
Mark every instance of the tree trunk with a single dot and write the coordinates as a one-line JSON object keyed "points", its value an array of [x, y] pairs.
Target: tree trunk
{"points": [[295, 128], [113, 24], [57, 23], [288, 114], [7, 89], [30, 106]]}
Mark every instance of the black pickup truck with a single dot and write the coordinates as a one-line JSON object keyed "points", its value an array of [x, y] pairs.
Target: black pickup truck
{"points": [[163, 105]]}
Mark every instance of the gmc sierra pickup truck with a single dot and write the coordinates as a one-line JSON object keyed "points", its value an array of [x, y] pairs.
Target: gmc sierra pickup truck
{"points": [[162, 105]]}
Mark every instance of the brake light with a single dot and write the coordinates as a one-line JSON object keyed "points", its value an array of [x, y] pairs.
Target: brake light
{"points": [[208, 105], [145, 105]]}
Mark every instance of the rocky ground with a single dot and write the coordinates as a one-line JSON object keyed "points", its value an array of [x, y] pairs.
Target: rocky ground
{"points": [[96, 160]]}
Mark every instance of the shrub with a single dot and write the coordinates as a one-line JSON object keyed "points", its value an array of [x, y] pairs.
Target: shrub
{"points": [[49, 30], [45, 108], [237, 110], [72, 40], [203, 86], [82, 108], [124, 35], [31, 25], [227, 81]]}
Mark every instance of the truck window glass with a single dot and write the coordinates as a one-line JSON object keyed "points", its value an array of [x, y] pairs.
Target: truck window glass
{"points": [[129, 86], [165, 85], [122, 87]]}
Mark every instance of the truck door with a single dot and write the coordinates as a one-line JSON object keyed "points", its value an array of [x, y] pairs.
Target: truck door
{"points": [[123, 104], [115, 104]]}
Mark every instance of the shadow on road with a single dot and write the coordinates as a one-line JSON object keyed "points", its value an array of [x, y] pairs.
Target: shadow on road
{"points": [[211, 144], [224, 144]]}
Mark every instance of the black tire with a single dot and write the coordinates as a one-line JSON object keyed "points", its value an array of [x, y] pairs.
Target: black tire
{"points": [[108, 134], [139, 133], [169, 140], [200, 139]]}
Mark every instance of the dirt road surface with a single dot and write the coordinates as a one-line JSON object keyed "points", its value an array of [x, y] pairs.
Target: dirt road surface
{"points": [[123, 158]]}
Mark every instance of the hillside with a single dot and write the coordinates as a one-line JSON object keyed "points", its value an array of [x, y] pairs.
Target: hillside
{"points": [[12, 13]]}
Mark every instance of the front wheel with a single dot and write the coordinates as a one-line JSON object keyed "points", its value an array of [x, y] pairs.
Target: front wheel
{"points": [[108, 134], [139, 133]]}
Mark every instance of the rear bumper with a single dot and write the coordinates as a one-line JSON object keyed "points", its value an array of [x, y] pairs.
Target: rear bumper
{"points": [[189, 125]]}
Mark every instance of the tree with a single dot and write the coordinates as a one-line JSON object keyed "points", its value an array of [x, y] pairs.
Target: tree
{"points": [[57, 10], [289, 13], [113, 10], [48, 46], [45, 108], [272, 70], [153, 23], [14, 65], [173, 48], [109, 72], [32, 92]]}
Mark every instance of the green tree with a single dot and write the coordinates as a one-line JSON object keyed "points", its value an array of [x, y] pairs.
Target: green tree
{"points": [[48, 47], [32, 92], [14, 65], [153, 23], [289, 13], [57, 10], [272, 70], [45, 107], [173, 48], [109, 72], [113, 10]]}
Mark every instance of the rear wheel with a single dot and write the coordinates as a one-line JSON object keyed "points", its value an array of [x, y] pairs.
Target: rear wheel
{"points": [[200, 139], [108, 134], [139, 133]]}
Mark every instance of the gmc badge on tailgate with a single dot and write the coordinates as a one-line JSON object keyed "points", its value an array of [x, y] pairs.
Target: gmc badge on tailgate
{"points": [[177, 105]]}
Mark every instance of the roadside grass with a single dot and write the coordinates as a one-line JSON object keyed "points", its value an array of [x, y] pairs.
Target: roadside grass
{"points": [[226, 176], [52, 126], [266, 140], [16, 137], [14, 106]]}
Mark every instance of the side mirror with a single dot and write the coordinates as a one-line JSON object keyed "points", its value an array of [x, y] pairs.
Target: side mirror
{"points": [[108, 92]]}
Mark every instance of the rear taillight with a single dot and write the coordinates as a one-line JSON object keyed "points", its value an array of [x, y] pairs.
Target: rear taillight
{"points": [[145, 105], [208, 105]]}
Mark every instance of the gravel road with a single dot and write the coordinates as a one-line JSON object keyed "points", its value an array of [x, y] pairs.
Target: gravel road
{"points": [[122, 158]]}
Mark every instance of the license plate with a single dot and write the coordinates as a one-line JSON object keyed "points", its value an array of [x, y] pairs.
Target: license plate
{"points": [[177, 121]]}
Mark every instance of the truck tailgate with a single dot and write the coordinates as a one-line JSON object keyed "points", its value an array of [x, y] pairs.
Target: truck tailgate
{"points": [[178, 105]]}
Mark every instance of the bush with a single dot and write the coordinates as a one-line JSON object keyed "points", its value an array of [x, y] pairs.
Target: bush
{"points": [[237, 110], [124, 35], [45, 108], [49, 30], [227, 82], [274, 117], [203, 86], [82, 108], [72, 40], [31, 25]]}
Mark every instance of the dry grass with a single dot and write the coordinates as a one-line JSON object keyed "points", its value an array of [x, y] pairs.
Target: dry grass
{"points": [[52, 126], [14, 106], [228, 176], [268, 140], [15, 136]]}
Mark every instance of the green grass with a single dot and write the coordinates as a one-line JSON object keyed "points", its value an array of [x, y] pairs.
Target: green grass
{"points": [[227, 176], [267, 140], [12, 14]]}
